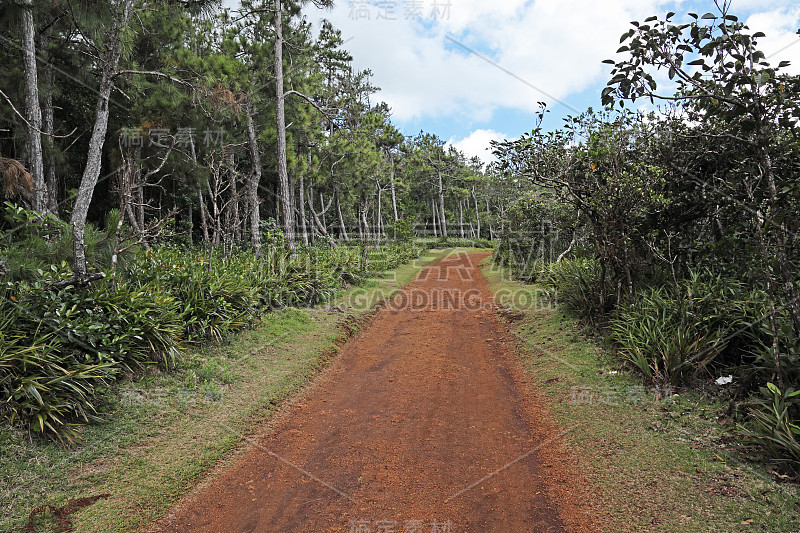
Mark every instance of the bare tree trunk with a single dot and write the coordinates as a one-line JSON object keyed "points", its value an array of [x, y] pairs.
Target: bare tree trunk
{"points": [[443, 225], [435, 215], [461, 217], [48, 127], [33, 112], [360, 225], [91, 173], [366, 236], [203, 215], [379, 217], [339, 213], [321, 225], [303, 226], [253, 183], [489, 220], [477, 213], [394, 194], [283, 172]]}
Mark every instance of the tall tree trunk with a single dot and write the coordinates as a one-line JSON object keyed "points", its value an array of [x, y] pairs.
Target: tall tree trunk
{"points": [[360, 224], [435, 216], [394, 194], [322, 205], [302, 192], [287, 207], [122, 13], [366, 236], [203, 215], [489, 220], [339, 214], [48, 127], [443, 225], [253, 183], [379, 218], [461, 217], [477, 213], [33, 111]]}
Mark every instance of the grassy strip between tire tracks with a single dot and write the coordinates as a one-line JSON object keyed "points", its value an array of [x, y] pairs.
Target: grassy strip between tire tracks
{"points": [[165, 432], [657, 461]]}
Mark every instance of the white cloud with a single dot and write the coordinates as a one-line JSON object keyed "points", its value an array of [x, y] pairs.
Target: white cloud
{"points": [[555, 46], [781, 42], [477, 144]]}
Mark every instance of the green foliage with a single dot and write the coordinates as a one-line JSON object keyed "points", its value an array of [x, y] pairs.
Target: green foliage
{"points": [[60, 347], [673, 334], [576, 284], [774, 427], [32, 242], [43, 386], [404, 230]]}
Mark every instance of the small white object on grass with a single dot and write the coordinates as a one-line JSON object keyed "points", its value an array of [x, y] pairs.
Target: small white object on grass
{"points": [[724, 380]]}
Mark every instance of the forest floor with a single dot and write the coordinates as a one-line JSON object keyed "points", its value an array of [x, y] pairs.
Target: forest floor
{"points": [[424, 423]]}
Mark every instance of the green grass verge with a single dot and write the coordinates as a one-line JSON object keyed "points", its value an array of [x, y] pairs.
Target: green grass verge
{"points": [[657, 461], [164, 432]]}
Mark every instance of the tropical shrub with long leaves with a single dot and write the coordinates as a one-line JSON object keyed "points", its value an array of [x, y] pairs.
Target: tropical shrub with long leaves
{"points": [[576, 284], [671, 334], [60, 346], [774, 427]]}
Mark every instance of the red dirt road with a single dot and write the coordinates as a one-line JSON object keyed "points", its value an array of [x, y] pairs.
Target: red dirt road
{"points": [[422, 425]]}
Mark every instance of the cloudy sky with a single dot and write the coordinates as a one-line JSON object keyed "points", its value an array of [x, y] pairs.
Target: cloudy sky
{"points": [[473, 70]]}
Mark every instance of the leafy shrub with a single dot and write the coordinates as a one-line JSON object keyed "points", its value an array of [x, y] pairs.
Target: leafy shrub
{"points": [[456, 242], [671, 334], [42, 386], [59, 347], [575, 284], [213, 298], [31, 242], [112, 323], [774, 428]]}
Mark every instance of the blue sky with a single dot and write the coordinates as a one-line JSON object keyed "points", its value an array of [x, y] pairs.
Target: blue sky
{"points": [[523, 51]]}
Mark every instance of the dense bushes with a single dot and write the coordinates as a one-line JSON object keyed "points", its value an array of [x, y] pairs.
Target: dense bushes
{"points": [[774, 430], [671, 334], [577, 284], [60, 346], [686, 334]]}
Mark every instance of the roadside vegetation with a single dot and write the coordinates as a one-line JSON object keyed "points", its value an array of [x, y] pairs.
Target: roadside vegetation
{"points": [[159, 432], [656, 457], [187, 179], [673, 232]]}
